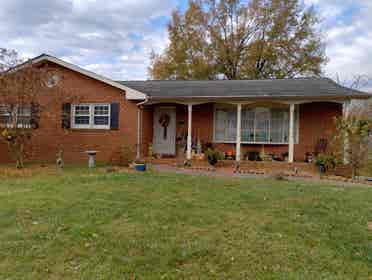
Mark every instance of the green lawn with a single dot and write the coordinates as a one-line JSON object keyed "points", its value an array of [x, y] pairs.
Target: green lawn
{"points": [[81, 225]]}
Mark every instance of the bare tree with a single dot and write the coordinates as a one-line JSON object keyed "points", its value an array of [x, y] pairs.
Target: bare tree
{"points": [[357, 82], [25, 94], [353, 129], [352, 139]]}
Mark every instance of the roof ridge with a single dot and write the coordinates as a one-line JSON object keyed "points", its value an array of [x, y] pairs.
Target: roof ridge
{"points": [[304, 87], [241, 80]]}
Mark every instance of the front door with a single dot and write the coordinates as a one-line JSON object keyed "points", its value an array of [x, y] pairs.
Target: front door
{"points": [[164, 141]]}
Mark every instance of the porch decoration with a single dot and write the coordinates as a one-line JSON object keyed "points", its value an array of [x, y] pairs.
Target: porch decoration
{"points": [[198, 147], [229, 155], [164, 122], [59, 160]]}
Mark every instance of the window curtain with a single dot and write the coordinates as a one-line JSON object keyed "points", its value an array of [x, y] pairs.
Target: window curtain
{"points": [[225, 124], [262, 125], [248, 116], [259, 125]]}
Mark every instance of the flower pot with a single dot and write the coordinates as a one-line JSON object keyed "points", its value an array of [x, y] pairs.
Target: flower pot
{"points": [[322, 168], [140, 166]]}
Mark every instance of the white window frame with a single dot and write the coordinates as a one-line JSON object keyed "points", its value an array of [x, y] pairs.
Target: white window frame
{"points": [[91, 124], [221, 106], [5, 113], [16, 112]]}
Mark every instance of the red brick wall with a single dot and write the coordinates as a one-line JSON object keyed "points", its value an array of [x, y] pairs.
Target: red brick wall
{"points": [[147, 129], [50, 135], [317, 120]]}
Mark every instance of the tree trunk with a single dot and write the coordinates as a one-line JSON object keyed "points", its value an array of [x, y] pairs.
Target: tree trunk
{"points": [[19, 151]]}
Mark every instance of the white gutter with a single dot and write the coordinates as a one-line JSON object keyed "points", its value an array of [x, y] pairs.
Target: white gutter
{"points": [[144, 102]]}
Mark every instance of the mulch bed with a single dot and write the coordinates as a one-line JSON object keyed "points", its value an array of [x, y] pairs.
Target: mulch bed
{"points": [[250, 171], [281, 173], [346, 180]]}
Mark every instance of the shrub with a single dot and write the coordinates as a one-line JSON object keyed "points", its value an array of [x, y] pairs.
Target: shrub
{"points": [[127, 155], [213, 156], [353, 139], [327, 161]]}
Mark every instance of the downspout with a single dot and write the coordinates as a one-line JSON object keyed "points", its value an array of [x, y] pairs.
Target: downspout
{"points": [[345, 114], [139, 128]]}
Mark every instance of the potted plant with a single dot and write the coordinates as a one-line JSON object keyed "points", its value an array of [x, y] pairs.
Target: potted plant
{"points": [[320, 162], [308, 157], [285, 156], [325, 162], [253, 156], [213, 156], [230, 155]]}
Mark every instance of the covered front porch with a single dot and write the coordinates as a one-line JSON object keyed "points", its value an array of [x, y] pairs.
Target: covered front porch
{"points": [[242, 130]]}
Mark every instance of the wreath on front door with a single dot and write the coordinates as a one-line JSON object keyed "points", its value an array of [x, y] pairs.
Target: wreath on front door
{"points": [[164, 122]]}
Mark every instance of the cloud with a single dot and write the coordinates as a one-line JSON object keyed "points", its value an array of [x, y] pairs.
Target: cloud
{"points": [[95, 34], [115, 37], [348, 34]]}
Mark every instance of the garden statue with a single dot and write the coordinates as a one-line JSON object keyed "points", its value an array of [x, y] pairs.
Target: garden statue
{"points": [[59, 161]]}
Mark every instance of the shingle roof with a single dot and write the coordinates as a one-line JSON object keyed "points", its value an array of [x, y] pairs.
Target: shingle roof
{"points": [[290, 88]]}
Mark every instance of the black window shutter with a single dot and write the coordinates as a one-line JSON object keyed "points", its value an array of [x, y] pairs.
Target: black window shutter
{"points": [[66, 115], [114, 118], [35, 115]]}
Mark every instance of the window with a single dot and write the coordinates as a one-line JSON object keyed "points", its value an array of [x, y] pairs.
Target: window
{"points": [[21, 115], [24, 117], [225, 124], [248, 117], [93, 116], [101, 115], [5, 116], [279, 132], [261, 125]]}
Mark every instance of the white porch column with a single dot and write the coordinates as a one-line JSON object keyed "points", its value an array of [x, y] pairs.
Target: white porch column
{"points": [[291, 132], [139, 128], [345, 112], [238, 132], [189, 131]]}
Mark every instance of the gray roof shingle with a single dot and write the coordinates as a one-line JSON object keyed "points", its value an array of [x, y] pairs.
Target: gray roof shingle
{"points": [[290, 88]]}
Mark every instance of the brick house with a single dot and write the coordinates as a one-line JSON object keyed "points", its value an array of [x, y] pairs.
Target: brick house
{"points": [[288, 118]]}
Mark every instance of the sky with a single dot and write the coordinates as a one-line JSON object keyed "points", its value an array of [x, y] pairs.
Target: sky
{"points": [[115, 37]]}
